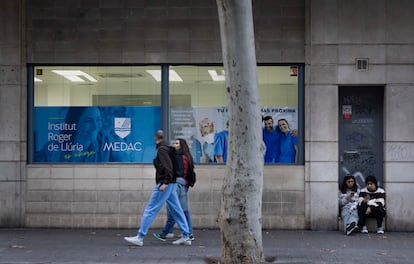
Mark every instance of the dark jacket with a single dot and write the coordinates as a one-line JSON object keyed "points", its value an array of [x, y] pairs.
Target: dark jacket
{"points": [[184, 170], [180, 163], [163, 165]]}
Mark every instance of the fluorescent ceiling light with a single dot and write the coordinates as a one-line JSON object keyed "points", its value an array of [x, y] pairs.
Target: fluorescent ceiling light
{"points": [[37, 79], [156, 74], [216, 77], [75, 75], [174, 77]]}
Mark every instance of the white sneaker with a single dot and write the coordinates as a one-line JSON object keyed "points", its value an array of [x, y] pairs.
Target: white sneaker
{"points": [[135, 240], [380, 230], [364, 230], [182, 241], [170, 235]]}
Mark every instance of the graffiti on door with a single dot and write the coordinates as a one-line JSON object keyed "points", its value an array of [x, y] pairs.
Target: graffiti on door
{"points": [[360, 134]]}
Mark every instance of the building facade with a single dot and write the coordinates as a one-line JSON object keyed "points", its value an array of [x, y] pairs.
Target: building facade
{"points": [[353, 97]]}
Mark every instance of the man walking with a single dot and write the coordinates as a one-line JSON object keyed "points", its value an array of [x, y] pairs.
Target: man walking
{"points": [[164, 192]]}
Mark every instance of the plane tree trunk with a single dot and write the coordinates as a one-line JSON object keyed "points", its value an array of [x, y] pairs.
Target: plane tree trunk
{"points": [[240, 217]]}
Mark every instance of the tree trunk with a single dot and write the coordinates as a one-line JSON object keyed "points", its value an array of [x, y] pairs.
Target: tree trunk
{"points": [[241, 204]]}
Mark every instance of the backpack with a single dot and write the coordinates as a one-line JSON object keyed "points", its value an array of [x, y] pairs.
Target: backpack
{"points": [[191, 176]]}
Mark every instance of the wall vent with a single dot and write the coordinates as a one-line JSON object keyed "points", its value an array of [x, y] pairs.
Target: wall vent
{"points": [[361, 64]]}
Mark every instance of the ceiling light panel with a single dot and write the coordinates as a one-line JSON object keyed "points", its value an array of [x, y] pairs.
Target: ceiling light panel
{"points": [[75, 75], [216, 76], [156, 74]]}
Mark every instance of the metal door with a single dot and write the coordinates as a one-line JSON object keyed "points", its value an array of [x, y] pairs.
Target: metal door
{"points": [[361, 133]]}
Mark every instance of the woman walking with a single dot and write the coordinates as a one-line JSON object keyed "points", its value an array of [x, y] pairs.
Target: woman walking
{"points": [[185, 175]]}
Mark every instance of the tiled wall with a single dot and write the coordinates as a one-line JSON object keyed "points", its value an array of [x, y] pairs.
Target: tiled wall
{"points": [[148, 31], [114, 196]]}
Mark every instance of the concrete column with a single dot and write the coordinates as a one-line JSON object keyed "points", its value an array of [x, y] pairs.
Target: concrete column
{"points": [[12, 113]]}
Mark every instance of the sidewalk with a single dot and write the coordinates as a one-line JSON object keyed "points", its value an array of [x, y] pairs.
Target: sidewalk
{"points": [[74, 246]]}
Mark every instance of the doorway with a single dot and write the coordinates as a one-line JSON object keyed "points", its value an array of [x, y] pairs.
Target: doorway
{"points": [[361, 133]]}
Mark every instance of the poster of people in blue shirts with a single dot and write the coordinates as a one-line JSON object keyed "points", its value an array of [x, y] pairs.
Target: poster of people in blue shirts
{"points": [[281, 144], [205, 130], [95, 134]]}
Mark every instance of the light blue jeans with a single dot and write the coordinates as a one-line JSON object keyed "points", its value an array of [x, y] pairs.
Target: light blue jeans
{"points": [[349, 216], [182, 191], [156, 202]]}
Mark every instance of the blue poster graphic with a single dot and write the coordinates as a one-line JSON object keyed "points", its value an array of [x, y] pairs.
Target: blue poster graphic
{"points": [[95, 134]]}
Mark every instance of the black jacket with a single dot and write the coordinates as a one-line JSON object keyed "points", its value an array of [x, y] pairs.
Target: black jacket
{"points": [[190, 176], [163, 165], [180, 163]]}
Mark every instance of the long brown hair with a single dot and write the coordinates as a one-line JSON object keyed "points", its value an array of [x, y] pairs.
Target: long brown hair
{"points": [[344, 187], [186, 151]]}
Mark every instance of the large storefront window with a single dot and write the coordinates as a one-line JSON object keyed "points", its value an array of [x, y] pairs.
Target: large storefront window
{"points": [[95, 114], [101, 114], [200, 116]]}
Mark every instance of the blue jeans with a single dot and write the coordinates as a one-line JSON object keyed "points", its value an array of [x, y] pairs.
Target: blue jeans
{"points": [[156, 202], [182, 191], [349, 216]]}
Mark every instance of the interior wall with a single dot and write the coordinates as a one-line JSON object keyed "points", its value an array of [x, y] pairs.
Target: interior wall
{"points": [[276, 86]]}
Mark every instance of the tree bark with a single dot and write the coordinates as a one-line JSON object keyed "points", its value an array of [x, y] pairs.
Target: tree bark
{"points": [[241, 203]]}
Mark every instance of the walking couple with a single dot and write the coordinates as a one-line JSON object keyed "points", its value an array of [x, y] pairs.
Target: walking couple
{"points": [[169, 189]]}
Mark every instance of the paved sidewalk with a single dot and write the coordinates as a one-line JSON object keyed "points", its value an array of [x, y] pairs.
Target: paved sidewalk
{"points": [[74, 246]]}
